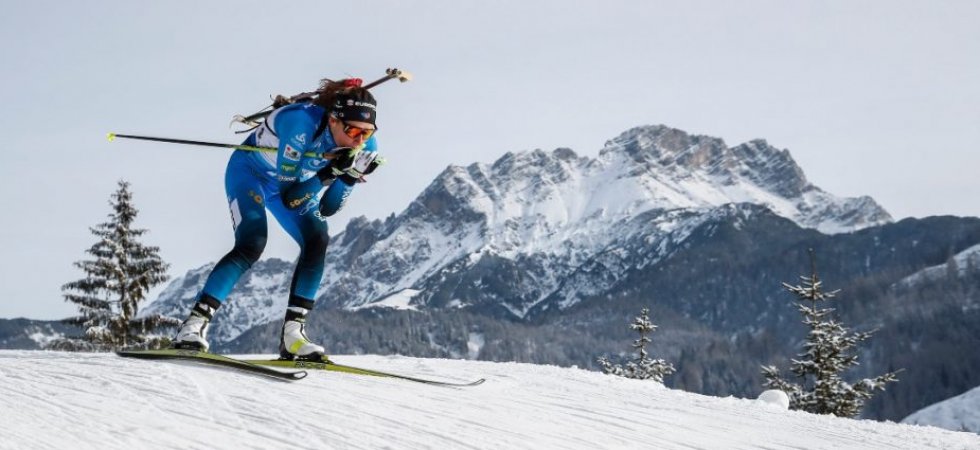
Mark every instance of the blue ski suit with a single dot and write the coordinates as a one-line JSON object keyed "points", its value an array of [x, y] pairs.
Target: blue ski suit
{"points": [[285, 183]]}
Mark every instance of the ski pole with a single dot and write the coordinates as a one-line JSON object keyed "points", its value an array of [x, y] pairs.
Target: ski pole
{"points": [[250, 148]]}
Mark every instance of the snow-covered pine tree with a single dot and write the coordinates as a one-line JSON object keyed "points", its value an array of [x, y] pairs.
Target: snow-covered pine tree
{"points": [[828, 351], [643, 367], [115, 283]]}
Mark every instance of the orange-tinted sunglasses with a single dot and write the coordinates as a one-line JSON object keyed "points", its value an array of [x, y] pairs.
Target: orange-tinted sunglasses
{"points": [[355, 132]]}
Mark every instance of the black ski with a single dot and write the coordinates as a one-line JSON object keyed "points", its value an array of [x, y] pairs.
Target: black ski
{"points": [[334, 367], [213, 359]]}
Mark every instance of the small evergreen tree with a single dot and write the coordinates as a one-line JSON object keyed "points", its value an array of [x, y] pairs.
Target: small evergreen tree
{"points": [[643, 367], [116, 281], [828, 351]]}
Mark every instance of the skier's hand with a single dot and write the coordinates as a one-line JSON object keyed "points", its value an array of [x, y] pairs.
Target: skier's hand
{"points": [[351, 164], [377, 162], [342, 159]]}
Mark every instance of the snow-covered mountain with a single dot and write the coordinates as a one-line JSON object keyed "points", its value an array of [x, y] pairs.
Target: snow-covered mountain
{"points": [[960, 413], [30, 334], [554, 212], [961, 264], [82, 401], [538, 231]]}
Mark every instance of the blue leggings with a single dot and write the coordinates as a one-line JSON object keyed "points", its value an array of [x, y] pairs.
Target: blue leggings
{"points": [[250, 193]]}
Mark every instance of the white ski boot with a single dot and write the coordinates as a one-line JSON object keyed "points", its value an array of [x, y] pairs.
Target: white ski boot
{"points": [[193, 333], [293, 342]]}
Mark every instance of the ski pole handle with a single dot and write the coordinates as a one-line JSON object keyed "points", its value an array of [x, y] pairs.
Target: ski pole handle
{"points": [[391, 74]]}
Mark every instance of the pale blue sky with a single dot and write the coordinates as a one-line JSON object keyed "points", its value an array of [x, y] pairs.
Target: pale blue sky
{"points": [[877, 98]]}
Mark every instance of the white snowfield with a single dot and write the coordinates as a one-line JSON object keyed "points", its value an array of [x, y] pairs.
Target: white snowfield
{"points": [[958, 413], [53, 400]]}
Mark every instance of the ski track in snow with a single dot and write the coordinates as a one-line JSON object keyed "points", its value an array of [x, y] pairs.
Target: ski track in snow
{"points": [[68, 400]]}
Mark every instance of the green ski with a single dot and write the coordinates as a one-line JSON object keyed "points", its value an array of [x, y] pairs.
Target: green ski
{"points": [[334, 367], [213, 359]]}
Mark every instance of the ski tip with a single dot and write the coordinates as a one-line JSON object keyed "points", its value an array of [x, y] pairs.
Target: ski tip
{"points": [[110, 136]]}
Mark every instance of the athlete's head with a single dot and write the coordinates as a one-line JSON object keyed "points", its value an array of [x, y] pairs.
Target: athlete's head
{"points": [[352, 111]]}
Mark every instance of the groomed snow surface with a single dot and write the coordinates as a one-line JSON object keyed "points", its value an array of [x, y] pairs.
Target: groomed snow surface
{"points": [[70, 400]]}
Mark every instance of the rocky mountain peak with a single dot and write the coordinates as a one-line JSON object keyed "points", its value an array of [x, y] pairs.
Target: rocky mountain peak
{"points": [[667, 146], [667, 150], [652, 167]]}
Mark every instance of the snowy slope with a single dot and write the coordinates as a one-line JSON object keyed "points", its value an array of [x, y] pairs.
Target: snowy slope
{"points": [[60, 400], [960, 413]]}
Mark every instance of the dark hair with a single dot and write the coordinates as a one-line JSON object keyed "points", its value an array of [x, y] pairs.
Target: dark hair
{"points": [[347, 100], [329, 90]]}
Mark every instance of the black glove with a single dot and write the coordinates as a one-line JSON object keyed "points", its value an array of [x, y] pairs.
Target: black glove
{"points": [[378, 162], [349, 165]]}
